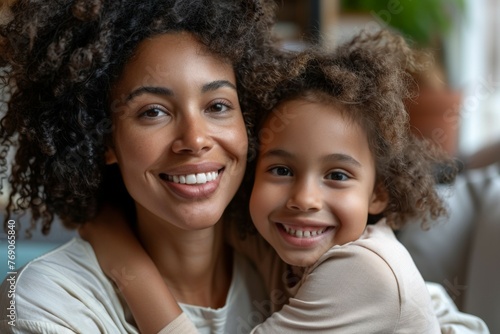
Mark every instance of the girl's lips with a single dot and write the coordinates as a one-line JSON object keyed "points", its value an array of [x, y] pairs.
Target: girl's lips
{"points": [[304, 232], [303, 237]]}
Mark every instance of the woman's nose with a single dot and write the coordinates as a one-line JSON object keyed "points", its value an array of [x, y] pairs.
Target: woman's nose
{"points": [[306, 196], [193, 136]]}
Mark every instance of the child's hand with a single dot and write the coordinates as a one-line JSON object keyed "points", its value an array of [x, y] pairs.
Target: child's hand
{"points": [[124, 260], [116, 247]]}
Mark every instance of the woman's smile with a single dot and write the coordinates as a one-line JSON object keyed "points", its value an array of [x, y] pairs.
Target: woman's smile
{"points": [[193, 186], [198, 178], [180, 141]]}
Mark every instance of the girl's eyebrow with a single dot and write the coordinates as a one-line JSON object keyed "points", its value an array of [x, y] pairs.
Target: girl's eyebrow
{"points": [[340, 157], [211, 86], [334, 157], [276, 153]]}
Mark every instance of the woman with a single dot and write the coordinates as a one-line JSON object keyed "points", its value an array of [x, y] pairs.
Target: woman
{"points": [[146, 95]]}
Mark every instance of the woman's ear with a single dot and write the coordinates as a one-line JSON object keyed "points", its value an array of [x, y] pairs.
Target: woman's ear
{"points": [[378, 201], [110, 156]]}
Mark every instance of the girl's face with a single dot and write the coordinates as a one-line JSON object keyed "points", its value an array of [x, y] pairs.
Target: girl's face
{"points": [[179, 135], [314, 183]]}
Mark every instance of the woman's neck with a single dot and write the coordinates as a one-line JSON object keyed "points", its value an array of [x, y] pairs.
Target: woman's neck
{"points": [[195, 264]]}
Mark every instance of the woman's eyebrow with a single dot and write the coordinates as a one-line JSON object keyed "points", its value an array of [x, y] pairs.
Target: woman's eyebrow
{"points": [[214, 85], [149, 89], [211, 86]]}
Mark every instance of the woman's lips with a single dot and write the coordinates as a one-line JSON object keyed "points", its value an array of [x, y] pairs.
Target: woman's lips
{"points": [[194, 186], [198, 178]]}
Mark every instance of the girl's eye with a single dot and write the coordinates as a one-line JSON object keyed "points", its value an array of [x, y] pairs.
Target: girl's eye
{"points": [[153, 112], [281, 171], [337, 176]]}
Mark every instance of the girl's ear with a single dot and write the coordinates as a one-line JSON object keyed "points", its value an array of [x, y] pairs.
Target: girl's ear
{"points": [[378, 201], [110, 156]]}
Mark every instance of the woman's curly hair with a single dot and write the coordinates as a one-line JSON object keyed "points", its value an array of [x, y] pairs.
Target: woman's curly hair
{"points": [[61, 58], [368, 79]]}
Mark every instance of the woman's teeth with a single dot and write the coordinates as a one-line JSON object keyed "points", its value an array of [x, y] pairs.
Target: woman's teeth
{"points": [[199, 178], [304, 234]]}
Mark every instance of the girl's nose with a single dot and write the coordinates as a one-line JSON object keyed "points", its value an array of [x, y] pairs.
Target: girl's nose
{"points": [[306, 196]]}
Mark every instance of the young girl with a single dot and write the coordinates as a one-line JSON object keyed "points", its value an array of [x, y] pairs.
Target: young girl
{"points": [[337, 171]]}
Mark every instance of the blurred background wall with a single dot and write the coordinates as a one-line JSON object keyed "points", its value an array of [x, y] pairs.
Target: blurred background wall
{"points": [[463, 36]]}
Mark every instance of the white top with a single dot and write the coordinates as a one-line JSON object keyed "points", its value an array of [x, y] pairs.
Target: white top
{"points": [[65, 291]]}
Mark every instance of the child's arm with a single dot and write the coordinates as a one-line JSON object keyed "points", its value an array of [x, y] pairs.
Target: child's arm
{"points": [[345, 293], [124, 260], [335, 297], [358, 293]]}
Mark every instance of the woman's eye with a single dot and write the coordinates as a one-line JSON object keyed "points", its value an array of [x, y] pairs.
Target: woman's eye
{"points": [[338, 176], [219, 107], [281, 171], [152, 113]]}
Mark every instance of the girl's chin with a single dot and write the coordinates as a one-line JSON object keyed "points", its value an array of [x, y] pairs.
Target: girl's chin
{"points": [[299, 261]]}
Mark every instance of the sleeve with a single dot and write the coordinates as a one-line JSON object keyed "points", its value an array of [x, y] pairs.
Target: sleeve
{"points": [[351, 291], [451, 320], [181, 325], [32, 327], [26, 308], [45, 301]]}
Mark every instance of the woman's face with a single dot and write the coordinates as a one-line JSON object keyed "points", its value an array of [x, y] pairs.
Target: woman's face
{"points": [[179, 135]]}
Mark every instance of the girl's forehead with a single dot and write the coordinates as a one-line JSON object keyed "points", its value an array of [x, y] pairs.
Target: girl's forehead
{"points": [[298, 117], [304, 116]]}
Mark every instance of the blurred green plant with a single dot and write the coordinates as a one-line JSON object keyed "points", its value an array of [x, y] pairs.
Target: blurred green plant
{"points": [[425, 22]]}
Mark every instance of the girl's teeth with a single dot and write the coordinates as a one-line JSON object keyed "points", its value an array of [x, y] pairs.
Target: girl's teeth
{"points": [[199, 178], [303, 234]]}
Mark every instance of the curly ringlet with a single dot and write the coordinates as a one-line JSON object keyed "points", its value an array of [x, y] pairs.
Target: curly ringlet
{"points": [[368, 79], [62, 58]]}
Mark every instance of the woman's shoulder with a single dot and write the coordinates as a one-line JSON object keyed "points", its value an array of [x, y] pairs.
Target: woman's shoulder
{"points": [[64, 287], [73, 258], [72, 268]]}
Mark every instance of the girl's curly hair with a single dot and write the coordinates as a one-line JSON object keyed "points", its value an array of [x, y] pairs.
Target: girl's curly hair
{"points": [[368, 79], [61, 58]]}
